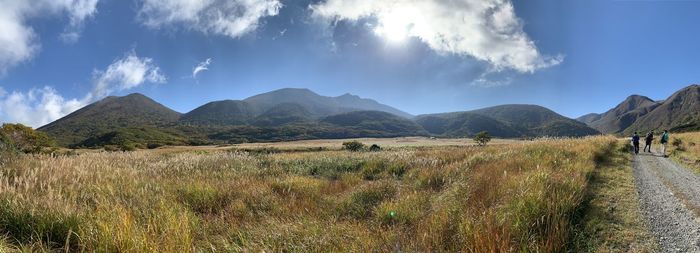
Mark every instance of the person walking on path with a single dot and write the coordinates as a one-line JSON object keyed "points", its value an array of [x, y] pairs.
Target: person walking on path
{"points": [[648, 140], [664, 142], [635, 143]]}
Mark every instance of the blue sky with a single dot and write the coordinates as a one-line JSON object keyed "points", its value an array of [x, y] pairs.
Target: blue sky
{"points": [[421, 56]]}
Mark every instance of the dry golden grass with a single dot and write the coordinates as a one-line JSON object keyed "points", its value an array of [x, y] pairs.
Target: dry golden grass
{"points": [[522, 196], [685, 149]]}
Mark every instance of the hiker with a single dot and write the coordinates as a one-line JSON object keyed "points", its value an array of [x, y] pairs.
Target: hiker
{"points": [[635, 143], [664, 142], [648, 140]]}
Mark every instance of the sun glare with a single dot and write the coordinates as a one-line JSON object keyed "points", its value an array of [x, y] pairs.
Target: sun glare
{"points": [[394, 26]]}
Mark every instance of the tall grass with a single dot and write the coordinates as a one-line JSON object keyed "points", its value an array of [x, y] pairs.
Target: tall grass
{"points": [[502, 198]]}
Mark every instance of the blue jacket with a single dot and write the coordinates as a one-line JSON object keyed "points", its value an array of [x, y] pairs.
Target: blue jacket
{"points": [[635, 138]]}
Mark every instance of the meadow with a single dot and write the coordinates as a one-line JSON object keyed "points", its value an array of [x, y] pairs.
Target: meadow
{"points": [[519, 196]]}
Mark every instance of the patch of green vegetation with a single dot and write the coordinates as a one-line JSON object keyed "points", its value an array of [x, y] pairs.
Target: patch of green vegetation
{"points": [[25, 139], [127, 139], [202, 198], [45, 226], [361, 203]]}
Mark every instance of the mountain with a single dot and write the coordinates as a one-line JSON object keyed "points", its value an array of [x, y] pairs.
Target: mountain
{"points": [[226, 112], [506, 121], [681, 111], [282, 114], [375, 121], [319, 106], [110, 114], [589, 118], [465, 124], [624, 114]]}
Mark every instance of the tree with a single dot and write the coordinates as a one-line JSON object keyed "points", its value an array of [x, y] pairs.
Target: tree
{"points": [[482, 138]]}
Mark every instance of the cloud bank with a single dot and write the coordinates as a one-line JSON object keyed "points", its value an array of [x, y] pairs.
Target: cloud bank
{"points": [[38, 107], [19, 42], [232, 18], [487, 30]]}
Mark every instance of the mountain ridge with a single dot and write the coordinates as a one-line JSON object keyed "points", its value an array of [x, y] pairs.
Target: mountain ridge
{"points": [[679, 112], [291, 114]]}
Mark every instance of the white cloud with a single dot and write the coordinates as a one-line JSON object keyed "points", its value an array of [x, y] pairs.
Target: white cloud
{"points": [[38, 107], [18, 42], [487, 30], [202, 66], [232, 18], [124, 74]]}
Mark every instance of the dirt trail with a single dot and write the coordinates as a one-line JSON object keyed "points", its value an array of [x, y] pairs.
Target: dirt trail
{"points": [[669, 197]]}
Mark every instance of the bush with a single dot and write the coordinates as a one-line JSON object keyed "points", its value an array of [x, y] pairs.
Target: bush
{"points": [[154, 145], [353, 146], [127, 147], [25, 139], [482, 138], [375, 148]]}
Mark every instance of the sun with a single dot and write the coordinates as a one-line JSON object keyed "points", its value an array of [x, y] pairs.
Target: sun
{"points": [[394, 26]]}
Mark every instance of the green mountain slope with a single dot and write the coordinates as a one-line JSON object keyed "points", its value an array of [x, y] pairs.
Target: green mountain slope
{"points": [[505, 121], [110, 114]]}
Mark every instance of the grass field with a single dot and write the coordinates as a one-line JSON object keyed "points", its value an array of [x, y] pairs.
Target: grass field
{"points": [[518, 196], [685, 149]]}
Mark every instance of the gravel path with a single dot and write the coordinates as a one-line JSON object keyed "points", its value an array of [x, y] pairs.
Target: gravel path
{"points": [[669, 195]]}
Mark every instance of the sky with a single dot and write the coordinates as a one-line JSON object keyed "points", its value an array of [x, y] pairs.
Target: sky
{"points": [[420, 56]]}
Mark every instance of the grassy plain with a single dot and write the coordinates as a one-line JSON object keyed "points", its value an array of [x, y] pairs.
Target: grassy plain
{"points": [[518, 196]]}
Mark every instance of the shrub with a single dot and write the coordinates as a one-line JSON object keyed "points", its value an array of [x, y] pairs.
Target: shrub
{"points": [[375, 148], [127, 147], [26, 139], [154, 145], [482, 138], [353, 146]]}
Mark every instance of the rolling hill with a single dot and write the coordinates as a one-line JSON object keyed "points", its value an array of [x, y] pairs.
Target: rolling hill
{"points": [[505, 121], [375, 121]]}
